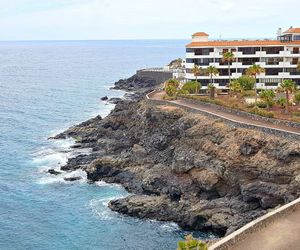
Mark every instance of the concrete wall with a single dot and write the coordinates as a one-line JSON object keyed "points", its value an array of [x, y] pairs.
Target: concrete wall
{"points": [[159, 76], [254, 226]]}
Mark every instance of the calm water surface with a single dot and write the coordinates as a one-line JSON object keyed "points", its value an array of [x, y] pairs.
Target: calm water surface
{"points": [[46, 87]]}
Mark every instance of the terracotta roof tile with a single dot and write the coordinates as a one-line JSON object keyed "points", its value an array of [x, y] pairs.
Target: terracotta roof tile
{"points": [[292, 30], [241, 43], [200, 34]]}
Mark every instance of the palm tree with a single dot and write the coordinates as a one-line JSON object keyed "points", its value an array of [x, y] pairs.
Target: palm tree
{"points": [[212, 90], [253, 71], [212, 71], [268, 96], [228, 57], [287, 86], [197, 72]]}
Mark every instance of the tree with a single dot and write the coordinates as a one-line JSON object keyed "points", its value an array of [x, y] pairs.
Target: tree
{"points": [[234, 87], [287, 86], [228, 57], [197, 72], [253, 71], [268, 97], [212, 90], [246, 82], [212, 71], [191, 87]]}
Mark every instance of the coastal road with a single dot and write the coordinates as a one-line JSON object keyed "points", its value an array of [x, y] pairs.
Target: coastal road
{"points": [[158, 95]]}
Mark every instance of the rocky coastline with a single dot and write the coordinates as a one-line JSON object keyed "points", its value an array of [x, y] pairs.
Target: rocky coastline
{"points": [[188, 168]]}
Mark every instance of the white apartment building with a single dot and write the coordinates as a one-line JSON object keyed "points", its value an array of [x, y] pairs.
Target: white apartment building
{"points": [[278, 57]]}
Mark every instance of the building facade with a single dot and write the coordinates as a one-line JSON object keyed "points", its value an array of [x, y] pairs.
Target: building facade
{"points": [[278, 57]]}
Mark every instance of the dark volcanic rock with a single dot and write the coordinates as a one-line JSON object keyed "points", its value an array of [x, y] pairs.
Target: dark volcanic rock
{"points": [[54, 172], [188, 168], [104, 98], [76, 178], [135, 83], [114, 100]]}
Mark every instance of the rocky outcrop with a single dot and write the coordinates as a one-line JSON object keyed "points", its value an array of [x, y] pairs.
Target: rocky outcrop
{"points": [[136, 83], [188, 168]]}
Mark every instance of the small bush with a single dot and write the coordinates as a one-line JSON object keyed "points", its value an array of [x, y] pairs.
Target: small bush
{"points": [[173, 82], [248, 93], [192, 87], [183, 92], [297, 97], [261, 112], [192, 244], [261, 104], [282, 101], [297, 113], [171, 90]]}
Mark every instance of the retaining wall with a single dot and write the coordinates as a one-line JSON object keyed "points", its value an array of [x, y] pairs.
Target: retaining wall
{"points": [[159, 76], [227, 242]]}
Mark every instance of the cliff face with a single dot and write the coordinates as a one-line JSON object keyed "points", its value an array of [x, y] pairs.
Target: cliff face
{"points": [[187, 168]]}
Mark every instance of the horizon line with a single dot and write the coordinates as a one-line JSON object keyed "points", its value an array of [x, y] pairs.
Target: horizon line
{"points": [[135, 39]]}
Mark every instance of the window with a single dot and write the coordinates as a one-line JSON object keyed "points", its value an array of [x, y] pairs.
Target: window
{"points": [[249, 50], [273, 60], [293, 71], [273, 50], [297, 37], [273, 71], [248, 61], [203, 51]]}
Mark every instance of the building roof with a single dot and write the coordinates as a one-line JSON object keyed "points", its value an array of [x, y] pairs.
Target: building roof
{"points": [[200, 34], [241, 43], [292, 30]]}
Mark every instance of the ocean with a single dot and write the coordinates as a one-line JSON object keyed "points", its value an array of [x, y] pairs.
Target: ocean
{"points": [[46, 87]]}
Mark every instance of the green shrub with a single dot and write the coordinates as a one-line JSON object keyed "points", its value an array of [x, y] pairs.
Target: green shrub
{"points": [[297, 97], [192, 87], [246, 82], [248, 93], [171, 90], [268, 97], [297, 113], [261, 104], [183, 92], [261, 112], [192, 244], [282, 101], [173, 82]]}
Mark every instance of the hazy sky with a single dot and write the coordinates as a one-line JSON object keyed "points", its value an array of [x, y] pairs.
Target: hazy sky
{"points": [[143, 19]]}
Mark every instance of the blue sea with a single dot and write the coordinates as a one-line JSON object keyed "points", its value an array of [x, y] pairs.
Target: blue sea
{"points": [[45, 87]]}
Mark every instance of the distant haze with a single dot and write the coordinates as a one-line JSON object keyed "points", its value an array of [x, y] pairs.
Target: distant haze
{"points": [[143, 19]]}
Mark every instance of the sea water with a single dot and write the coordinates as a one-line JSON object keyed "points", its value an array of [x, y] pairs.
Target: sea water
{"points": [[45, 87]]}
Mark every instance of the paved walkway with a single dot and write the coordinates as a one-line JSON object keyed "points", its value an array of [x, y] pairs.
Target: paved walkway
{"points": [[158, 95], [282, 234]]}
